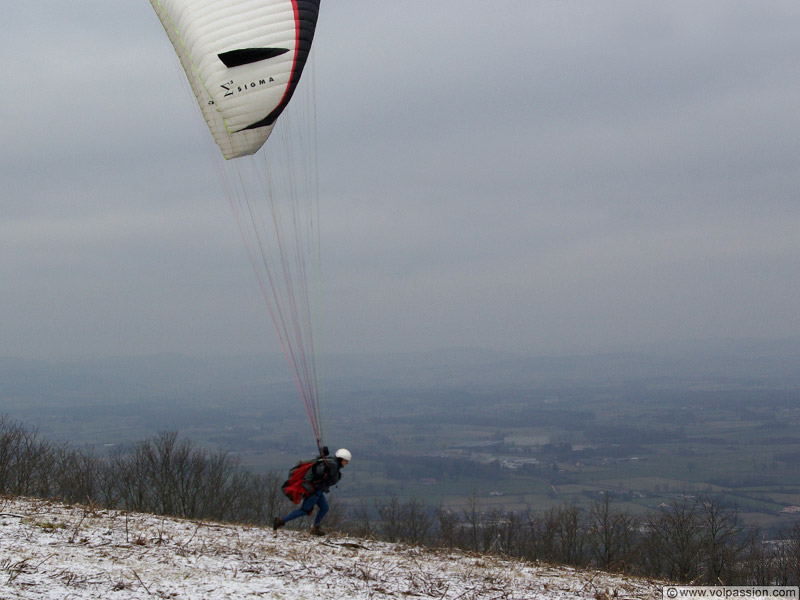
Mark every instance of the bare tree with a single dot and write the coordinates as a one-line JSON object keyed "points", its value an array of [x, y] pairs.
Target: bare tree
{"points": [[721, 541], [416, 521], [77, 475], [792, 553], [449, 527], [611, 535], [539, 543], [472, 523], [32, 464], [673, 542], [164, 459], [510, 530], [132, 484], [10, 444], [266, 497], [757, 561], [570, 534], [389, 519]]}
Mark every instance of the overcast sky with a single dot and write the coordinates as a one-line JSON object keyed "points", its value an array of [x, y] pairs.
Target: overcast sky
{"points": [[545, 177]]}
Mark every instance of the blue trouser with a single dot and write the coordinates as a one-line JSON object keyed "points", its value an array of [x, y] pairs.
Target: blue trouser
{"points": [[315, 499]]}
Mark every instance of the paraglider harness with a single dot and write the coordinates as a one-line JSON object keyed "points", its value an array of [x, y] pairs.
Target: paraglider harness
{"points": [[301, 482]]}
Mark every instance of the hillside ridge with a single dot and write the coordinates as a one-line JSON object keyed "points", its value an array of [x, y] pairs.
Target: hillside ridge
{"points": [[52, 550]]}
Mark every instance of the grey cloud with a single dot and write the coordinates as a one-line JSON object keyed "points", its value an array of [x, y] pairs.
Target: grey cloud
{"points": [[533, 176]]}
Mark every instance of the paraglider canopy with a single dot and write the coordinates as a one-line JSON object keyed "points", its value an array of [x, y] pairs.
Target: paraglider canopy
{"points": [[243, 59]]}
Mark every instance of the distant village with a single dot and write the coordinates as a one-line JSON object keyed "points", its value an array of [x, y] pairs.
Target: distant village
{"points": [[553, 457]]}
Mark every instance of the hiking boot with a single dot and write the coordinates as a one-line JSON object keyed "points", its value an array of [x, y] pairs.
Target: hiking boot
{"points": [[315, 530], [277, 524]]}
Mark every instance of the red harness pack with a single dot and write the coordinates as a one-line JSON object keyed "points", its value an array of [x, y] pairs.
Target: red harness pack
{"points": [[296, 488]]}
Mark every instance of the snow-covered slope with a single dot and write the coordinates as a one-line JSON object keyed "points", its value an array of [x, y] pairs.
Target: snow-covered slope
{"points": [[58, 552]]}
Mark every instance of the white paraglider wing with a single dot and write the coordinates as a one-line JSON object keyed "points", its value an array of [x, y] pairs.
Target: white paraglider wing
{"points": [[243, 59]]}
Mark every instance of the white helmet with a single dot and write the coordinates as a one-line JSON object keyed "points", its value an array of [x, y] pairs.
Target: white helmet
{"points": [[344, 454]]}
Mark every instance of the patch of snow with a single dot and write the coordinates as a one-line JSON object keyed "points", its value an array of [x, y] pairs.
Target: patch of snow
{"points": [[51, 551]]}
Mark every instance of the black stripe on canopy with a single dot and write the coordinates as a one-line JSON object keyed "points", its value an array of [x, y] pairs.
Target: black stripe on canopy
{"points": [[245, 56]]}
